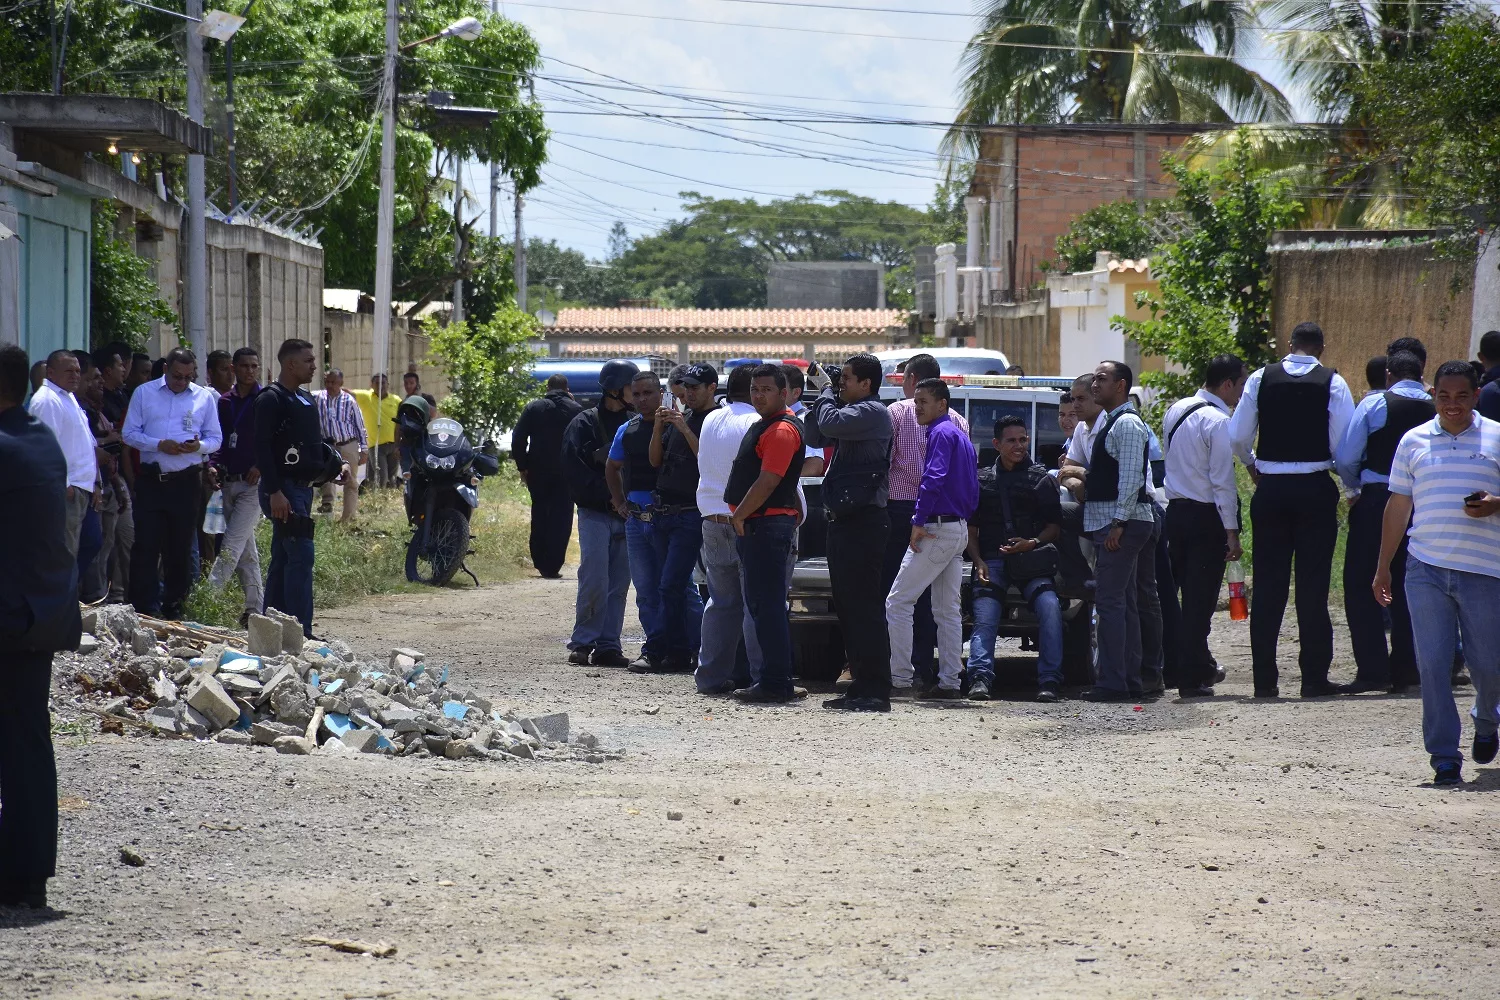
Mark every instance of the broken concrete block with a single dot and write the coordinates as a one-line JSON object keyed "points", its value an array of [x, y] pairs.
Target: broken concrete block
{"points": [[87, 644], [300, 745], [209, 697], [549, 728], [400, 665], [292, 639], [164, 719], [587, 740], [437, 744], [239, 684], [521, 750], [291, 704], [143, 643], [335, 745], [196, 722], [281, 675], [265, 636], [90, 619], [267, 733], [363, 740], [163, 689], [234, 737], [413, 656], [120, 620]]}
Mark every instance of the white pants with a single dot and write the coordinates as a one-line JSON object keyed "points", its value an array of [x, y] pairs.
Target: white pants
{"points": [[238, 554], [939, 565]]}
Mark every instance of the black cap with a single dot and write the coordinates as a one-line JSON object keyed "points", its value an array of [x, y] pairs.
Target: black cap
{"points": [[699, 374]]}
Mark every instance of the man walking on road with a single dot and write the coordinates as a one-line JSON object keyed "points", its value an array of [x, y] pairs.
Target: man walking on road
{"points": [[1364, 463], [174, 424], [727, 626], [239, 479], [1203, 520], [1300, 410], [937, 536], [343, 426], [1445, 482], [1120, 517], [56, 406], [603, 567], [762, 493], [536, 444], [38, 616], [851, 417]]}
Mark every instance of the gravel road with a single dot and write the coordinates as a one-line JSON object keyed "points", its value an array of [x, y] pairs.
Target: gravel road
{"points": [[1222, 848]]}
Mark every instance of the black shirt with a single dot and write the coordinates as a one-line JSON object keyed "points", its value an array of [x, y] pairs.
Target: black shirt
{"points": [[284, 419], [536, 442], [1034, 502]]}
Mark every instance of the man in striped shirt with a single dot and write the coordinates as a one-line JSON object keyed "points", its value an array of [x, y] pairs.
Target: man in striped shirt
{"points": [[1446, 479], [344, 426]]}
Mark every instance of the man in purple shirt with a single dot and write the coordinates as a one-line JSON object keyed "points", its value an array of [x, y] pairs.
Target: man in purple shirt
{"points": [[238, 478], [946, 499]]}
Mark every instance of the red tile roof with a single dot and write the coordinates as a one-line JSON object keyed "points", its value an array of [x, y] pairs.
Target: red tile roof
{"points": [[715, 352], [876, 324]]}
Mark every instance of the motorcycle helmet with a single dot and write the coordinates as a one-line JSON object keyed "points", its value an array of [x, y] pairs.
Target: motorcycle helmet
{"points": [[616, 375]]}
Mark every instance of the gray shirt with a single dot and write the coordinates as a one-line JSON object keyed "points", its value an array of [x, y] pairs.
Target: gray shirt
{"points": [[861, 433]]}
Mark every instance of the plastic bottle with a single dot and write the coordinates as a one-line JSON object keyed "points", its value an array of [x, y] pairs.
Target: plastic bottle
{"points": [[213, 516], [1239, 608]]}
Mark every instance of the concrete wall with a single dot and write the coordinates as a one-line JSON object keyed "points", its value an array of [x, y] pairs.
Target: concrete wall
{"points": [[825, 285], [347, 341], [1365, 297]]}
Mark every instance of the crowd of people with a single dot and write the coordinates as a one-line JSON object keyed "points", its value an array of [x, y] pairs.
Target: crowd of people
{"points": [[709, 478]]}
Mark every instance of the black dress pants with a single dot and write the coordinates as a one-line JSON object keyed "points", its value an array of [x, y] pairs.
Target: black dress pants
{"points": [[1295, 518], [28, 774], [924, 629], [856, 553], [551, 521], [1378, 666], [1171, 608], [1196, 543], [166, 519]]}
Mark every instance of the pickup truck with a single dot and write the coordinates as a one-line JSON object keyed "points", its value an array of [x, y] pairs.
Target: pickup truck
{"points": [[817, 642]]}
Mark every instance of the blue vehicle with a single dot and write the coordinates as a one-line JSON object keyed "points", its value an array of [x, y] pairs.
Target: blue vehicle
{"points": [[582, 374]]}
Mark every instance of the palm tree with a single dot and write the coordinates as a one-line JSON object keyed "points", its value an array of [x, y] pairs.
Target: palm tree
{"points": [[1109, 61]]}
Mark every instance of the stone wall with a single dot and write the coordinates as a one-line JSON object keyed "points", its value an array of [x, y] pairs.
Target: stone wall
{"points": [[347, 343]]}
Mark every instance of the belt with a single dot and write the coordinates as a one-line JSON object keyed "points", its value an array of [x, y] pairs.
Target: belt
{"points": [[154, 470], [944, 519], [718, 518], [642, 514], [681, 508]]}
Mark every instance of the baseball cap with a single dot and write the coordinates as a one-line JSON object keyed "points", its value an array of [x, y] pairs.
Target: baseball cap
{"points": [[699, 374]]}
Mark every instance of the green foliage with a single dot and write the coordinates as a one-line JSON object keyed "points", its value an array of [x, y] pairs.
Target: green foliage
{"points": [[123, 299], [1440, 115], [307, 79], [1215, 282], [1116, 226], [491, 282], [559, 276], [489, 364]]}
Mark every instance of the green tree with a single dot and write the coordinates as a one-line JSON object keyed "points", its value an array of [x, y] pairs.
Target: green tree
{"points": [[123, 298], [1215, 282], [1117, 226], [1109, 61], [489, 364]]}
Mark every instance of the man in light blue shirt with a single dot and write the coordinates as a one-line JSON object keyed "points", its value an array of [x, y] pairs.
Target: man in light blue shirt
{"points": [[1363, 461], [174, 424], [1445, 481]]}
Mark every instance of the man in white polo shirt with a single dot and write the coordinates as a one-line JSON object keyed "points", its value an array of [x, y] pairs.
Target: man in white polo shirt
{"points": [[1446, 480], [55, 405]]}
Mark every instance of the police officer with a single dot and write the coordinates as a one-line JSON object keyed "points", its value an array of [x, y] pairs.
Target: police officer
{"points": [[632, 486], [536, 444], [293, 458], [603, 568], [1300, 408]]}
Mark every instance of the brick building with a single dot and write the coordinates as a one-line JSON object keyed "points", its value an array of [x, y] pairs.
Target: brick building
{"points": [[1035, 179]]}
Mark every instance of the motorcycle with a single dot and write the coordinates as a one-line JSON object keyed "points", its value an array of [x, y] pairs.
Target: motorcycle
{"points": [[442, 492]]}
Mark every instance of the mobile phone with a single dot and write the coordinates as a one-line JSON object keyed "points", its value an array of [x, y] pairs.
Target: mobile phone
{"points": [[1474, 497]]}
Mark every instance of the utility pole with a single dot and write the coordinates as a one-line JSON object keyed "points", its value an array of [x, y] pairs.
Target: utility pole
{"points": [[386, 213], [234, 188], [196, 319], [494, 167], [458, 237], [521, 231]]}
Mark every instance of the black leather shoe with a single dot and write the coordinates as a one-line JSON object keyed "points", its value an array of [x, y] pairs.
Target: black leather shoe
{"points": [[647, 665], [1100, 694], [1047, 694], [1450, 773], [1483, 750], [1364, 687], [1201, 691], [1323, 689], [28, 894], [719, 690], [936, 693], [857, 704], [608, 658], [1269, 692], [581, 655], [1219, 674], [757, 695]]}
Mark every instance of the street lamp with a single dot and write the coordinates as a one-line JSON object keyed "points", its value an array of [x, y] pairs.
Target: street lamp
{"points": [[468, 29]]}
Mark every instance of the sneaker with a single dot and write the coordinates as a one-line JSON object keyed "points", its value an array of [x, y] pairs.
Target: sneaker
{"points": [[901, 692], [940, 694], [1448, 774], [857, 704], [646, 665], [979, 690], [757, 695], [581, 655], [1483, 750], [1047, 694], [845, 680], [608, 658]]}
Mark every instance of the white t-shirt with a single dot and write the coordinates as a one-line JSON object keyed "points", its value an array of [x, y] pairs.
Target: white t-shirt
{"points": [[718, 443]]}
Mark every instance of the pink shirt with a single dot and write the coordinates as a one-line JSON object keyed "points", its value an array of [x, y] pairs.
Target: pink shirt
{"points": [[909, 448]]}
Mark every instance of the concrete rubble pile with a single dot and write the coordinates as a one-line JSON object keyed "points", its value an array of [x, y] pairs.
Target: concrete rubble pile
{"points": [[274, 688]]}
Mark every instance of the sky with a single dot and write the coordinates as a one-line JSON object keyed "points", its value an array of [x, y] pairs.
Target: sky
{"points": [[721, 67]]}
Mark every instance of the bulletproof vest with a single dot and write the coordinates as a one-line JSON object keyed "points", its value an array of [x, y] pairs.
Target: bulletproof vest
{"points": [[638, 472], [677, 479], [1401, 415], [1103, 482], [746, 468], [1293, 415]]}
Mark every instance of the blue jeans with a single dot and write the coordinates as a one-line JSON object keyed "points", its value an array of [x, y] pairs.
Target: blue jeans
{"points": [[645, 576], [730, 653], [603, 579], [677, 538], [988, 607], [1442, 600], [289, 580], [764, 549]]}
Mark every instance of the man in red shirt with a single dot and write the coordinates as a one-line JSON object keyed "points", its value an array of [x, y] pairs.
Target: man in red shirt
{"points": [[762, 493]]}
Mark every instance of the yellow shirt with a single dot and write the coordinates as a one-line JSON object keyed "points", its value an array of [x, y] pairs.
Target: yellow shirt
{"points": [[388, 407]]}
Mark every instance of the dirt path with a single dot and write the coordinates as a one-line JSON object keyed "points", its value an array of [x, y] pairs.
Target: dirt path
{"points": [[1206, 849]]}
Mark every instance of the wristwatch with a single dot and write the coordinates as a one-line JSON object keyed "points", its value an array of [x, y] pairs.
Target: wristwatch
{"points": [[1116, 523]]}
